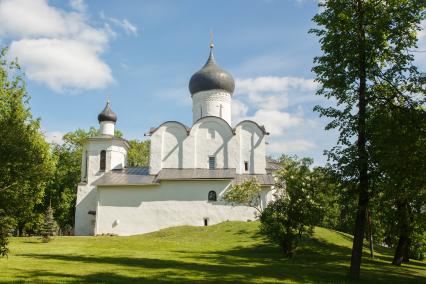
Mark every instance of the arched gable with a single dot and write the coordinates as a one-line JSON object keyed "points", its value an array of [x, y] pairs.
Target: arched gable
{"points": [[225, 126], [170, 123], [254, 123]]}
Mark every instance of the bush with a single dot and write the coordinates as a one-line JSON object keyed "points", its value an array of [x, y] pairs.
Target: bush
{"points": [[294, 214]]}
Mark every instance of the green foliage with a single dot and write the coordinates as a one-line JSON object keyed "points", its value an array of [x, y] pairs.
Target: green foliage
{"points": [[246, 193], [293, 214], [49, 226], [26, 163], [4, 233], [365, 65], [138, 155]]}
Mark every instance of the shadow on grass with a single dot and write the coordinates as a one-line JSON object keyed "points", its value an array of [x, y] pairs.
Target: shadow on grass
{"points": [[315, 261]]}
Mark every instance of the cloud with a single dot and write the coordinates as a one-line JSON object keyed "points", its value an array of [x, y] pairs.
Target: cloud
{"points": [[58, 48], [54, 137], [297, 145], [78, 5], [124, 24], [278, 103], [62, 63]]}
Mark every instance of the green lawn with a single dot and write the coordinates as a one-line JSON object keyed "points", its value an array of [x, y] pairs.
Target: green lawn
{"points": [[228, 252]]}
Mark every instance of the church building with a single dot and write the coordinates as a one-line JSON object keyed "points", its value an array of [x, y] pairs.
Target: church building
{"points": [[189, 170]]}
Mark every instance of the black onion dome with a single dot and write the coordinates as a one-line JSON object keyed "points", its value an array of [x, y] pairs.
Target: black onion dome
{"points": [[107, 114], [211, 77]]}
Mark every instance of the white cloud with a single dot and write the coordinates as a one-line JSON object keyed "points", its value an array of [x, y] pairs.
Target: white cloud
{"points": [[78, 5], [56, 47], [62, 63], [276, 122], [54, 137], [276, 103], [283, 146], [124, 24]]}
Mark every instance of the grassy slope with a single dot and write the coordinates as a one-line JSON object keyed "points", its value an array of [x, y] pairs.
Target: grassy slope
{"points": [[228, 252]]}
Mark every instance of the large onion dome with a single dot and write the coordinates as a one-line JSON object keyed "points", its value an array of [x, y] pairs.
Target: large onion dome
{"points": [[107, 114], [211, 77]]}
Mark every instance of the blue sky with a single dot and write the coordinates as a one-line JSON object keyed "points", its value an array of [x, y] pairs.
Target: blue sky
{"points": [[143, 53]]}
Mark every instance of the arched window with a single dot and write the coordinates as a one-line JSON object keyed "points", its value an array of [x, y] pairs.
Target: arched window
{"points": [[102, 164], [212, 195]]}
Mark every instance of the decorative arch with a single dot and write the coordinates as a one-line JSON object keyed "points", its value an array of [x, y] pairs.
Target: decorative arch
{"points": [[216, 118], [262, 128], [180, 124]]}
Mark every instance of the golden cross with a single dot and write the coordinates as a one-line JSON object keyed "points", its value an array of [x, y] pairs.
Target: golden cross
{"points": [[108, 96]]}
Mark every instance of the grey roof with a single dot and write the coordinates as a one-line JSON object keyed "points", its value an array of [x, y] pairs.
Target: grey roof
{"points": [[211, 77], [262, 179], [184, 174], [127, 176], [107, 114], [272, 165], [141, 176]]}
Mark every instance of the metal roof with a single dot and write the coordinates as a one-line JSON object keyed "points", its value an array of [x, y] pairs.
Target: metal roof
{"points": [[107, 114], [127, 176], [184, 174], [262, 179], [211, 77], [141, 176]]}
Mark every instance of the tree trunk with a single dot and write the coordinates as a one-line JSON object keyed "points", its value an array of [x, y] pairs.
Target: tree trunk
{"points": [[370, 233], [403, 247], [21, 230], [359, 231], [406, 253], [400, 249]]}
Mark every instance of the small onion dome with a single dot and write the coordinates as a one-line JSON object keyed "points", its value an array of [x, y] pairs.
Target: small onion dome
{"points": [[107, 114], [211, 77]]}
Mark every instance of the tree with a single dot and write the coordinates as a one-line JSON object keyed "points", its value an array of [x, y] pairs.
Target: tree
{"points": [[365, 63], [26, 164], [399, 154], [49, 226], [247, 193], [4, 233], [138, 155], [293, 214]]}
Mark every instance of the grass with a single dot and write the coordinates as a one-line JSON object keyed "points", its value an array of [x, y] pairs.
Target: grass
{"points": [[228, 252]]}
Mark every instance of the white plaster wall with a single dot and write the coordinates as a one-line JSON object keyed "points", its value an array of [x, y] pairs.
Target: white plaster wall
{"points": [[252, 148], [107, 127], [86, 193], [133, 210], [213, 137], [173, 147], [211, 103], [86, 201]]}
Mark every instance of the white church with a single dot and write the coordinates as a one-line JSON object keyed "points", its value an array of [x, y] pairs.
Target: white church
{"points": [[190, 168]]}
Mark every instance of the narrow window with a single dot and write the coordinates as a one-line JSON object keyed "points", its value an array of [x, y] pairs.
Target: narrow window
{"points": [[86, 164], [102, 165], [201, 111], [212, 195], [246, 166], [212, 163], [206, 221]]}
